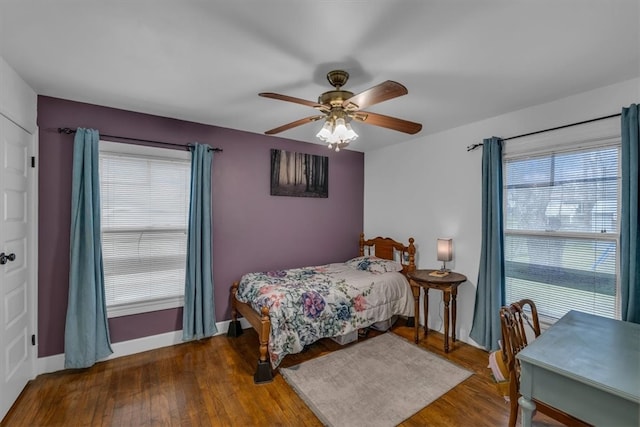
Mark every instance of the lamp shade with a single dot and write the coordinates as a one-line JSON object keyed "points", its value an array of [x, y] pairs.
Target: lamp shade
{"points": [[445, 249], [325, 132]]}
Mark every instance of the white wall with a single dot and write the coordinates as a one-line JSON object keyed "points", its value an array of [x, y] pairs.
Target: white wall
{"points": [[430, 187], [18, 102]]}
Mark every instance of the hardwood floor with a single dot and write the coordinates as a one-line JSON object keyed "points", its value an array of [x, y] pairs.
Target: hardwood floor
{"points": [[210, 383]]}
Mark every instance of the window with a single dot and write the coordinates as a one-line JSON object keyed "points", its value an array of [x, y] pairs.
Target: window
{"points": [[144, 213], [562, 205]]}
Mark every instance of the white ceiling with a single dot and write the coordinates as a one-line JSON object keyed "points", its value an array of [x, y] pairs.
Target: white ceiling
{"points": [[206, 61]]}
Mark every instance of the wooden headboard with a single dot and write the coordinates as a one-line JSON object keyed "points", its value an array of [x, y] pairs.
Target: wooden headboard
{"points": [[384, 247]]}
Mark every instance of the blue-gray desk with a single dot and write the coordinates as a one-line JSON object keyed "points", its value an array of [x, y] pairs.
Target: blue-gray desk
{"points": [[587, 366]]}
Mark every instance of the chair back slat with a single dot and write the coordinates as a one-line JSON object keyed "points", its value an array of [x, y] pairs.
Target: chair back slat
{"points": [[514, 320]]}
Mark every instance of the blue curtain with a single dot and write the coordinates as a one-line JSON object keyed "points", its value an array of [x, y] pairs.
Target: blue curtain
{"points": [[490, 293], [629, 237], [198, 320], [86, 335]]}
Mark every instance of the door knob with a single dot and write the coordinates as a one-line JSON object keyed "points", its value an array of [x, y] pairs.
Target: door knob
{"points": [[4, 258]]}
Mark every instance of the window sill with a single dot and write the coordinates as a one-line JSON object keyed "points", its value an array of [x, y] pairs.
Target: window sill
{"points": [[144, 307]]}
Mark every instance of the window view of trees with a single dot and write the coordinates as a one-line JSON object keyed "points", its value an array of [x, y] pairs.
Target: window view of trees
{"points": [[561, 226], [564, 192], [298, 174]]}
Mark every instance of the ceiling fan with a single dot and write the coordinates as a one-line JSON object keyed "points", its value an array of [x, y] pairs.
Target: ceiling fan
{"points": [[339, 107]]}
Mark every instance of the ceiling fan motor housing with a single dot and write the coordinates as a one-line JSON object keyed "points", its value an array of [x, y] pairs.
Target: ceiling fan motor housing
{"points": [[337, 78], [334, 97]]}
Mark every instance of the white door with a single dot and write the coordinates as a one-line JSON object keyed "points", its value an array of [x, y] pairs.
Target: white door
{"points": [[17, 353]]}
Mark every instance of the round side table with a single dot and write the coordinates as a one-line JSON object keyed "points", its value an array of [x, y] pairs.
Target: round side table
{"points": [[449, 286]]}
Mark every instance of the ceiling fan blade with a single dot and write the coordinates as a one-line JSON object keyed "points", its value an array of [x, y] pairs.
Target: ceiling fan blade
{"points": [[387, 122], [382, 92], [295, 100], [294, 124]]}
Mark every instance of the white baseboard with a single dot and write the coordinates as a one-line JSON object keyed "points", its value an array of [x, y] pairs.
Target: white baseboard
{"points": [[125, 348]]}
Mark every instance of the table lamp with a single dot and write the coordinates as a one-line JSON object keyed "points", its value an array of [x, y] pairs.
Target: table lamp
{"points": [[445, 252]]}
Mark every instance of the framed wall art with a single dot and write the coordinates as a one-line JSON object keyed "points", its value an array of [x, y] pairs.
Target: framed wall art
{"points": [[299, 174]]}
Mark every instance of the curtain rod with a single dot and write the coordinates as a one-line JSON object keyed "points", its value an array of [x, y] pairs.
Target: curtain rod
{"points": [[474, 146], [69, 131]]}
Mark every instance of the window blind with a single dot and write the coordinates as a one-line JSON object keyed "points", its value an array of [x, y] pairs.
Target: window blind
{"points": [[144, 214], [561, 227]]}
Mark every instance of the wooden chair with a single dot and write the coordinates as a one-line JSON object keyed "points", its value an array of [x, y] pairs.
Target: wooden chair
{"points": [[516, 319]]}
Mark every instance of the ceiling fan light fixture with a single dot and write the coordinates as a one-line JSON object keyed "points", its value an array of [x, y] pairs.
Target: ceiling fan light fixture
{"points": [[351, 134], [326, 131], [340, 130], [337, 132]]}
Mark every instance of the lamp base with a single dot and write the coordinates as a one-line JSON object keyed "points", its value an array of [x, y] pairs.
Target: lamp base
{"points": [[444, 271], [439, 273]]}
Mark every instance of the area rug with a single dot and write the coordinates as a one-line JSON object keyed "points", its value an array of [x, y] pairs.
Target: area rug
{"points": [[378, 382]]}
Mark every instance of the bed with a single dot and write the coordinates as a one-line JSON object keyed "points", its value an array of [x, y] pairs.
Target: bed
{"points": [[293, 308]]}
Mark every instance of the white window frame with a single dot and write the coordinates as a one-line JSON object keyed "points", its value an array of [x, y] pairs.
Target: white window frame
{"points": [[144, 151], [596, 134]]}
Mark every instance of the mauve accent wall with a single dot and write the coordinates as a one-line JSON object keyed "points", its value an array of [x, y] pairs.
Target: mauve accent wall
{"points": [[252, 230]]}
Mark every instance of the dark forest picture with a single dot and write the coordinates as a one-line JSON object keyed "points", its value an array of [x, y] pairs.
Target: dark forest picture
{"points": [[299, 175]]}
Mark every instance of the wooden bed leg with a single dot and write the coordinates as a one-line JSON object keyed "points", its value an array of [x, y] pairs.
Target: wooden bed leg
{"points": [[263, 373], [235, 329]]}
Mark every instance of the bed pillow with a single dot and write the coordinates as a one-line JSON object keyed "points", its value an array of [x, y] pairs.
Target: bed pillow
{"points": [[374, 264]]}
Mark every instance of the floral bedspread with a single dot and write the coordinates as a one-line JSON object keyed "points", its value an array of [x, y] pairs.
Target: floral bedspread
{"points": [[306, 304]]}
